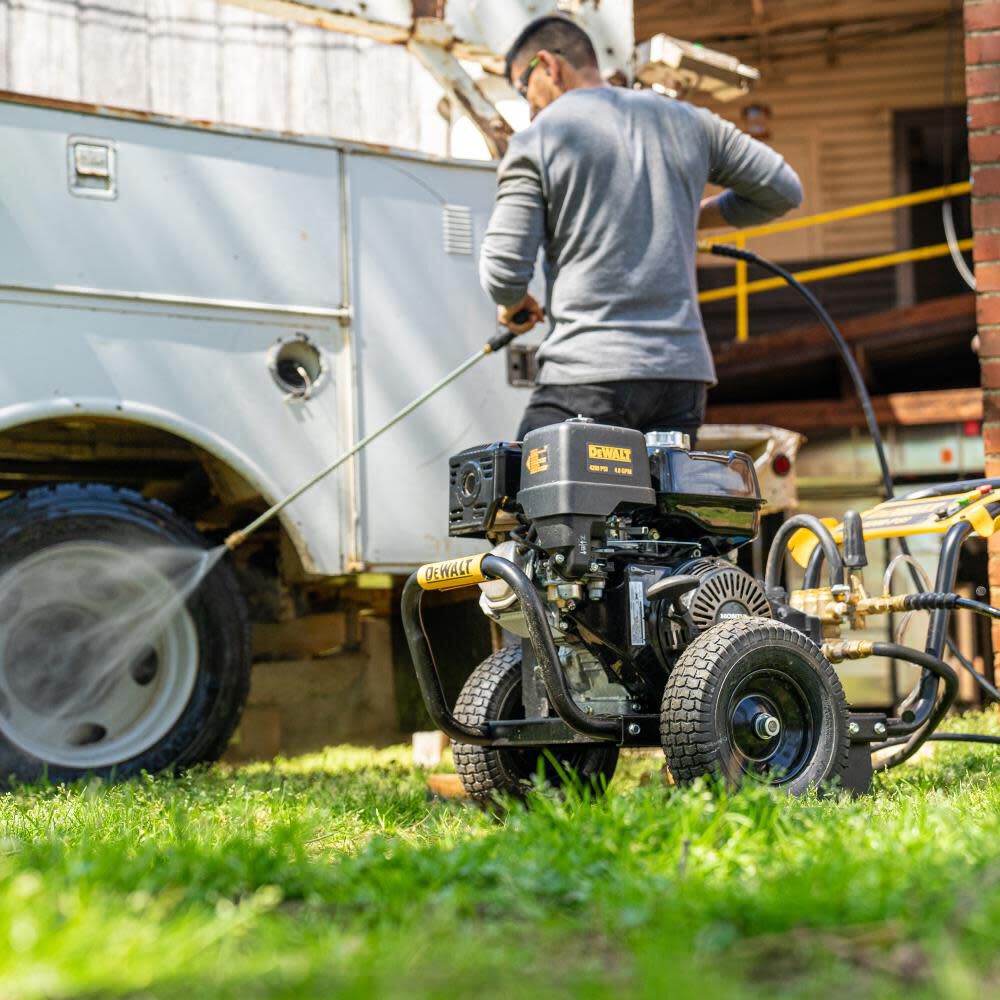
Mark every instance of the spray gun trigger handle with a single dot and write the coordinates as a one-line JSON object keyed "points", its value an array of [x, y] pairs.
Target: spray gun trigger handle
{"points": [[504, 335], [500, 341]]}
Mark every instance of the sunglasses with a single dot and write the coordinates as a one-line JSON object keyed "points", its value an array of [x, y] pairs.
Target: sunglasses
{"points": [[521, 84]]}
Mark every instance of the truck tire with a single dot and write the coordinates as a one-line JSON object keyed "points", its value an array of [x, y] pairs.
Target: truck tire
{"points": [[493, 691], [80, 563], [728, 684]]}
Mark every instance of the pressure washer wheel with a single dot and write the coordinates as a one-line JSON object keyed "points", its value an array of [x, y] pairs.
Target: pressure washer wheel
{"points": [[755, 699], [493, 692]]}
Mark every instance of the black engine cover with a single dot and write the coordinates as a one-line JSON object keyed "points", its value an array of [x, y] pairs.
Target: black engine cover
{"points": [[573, 476]]}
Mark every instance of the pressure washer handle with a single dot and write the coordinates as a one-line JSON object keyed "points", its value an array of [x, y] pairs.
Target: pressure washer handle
{"points": [[499, 342], [505, 335]]}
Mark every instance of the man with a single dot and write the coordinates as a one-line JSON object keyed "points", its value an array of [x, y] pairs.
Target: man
{"points": [[609, 181]]}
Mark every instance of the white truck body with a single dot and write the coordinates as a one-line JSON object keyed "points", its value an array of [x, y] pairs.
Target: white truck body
{"points": [[156, 297]]}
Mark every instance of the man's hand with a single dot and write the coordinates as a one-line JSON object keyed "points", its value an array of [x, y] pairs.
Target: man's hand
{"points": [[506, 314]]}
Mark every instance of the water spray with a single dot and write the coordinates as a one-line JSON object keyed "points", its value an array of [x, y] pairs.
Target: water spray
{"points": [[496, 343], [99, 625]]}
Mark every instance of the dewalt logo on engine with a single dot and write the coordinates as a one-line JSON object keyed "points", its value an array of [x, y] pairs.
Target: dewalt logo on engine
{"points": [[537, 460], [605, 458], [609, 454]]}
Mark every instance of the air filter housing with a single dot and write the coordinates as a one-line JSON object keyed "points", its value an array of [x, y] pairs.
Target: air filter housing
{"points": [[481, 481]]}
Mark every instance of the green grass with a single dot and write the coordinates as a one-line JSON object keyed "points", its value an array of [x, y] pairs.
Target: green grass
{"points": [[334, 874]]}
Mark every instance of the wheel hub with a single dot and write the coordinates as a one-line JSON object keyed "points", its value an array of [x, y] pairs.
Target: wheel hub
{"points": [[770, 726], [46, 662], [766, 726]]}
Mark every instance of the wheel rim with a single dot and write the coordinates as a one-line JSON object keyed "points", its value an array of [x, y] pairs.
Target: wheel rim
{"points": [[98, 655], [771, 726]]}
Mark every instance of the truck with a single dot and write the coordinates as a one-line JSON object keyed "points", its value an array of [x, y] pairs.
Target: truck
{"points": [[197, 319]]}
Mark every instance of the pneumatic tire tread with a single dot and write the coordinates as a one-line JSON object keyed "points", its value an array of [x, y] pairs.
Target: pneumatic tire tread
{"points": [[480, 767], [689, 729], [487, 773]]}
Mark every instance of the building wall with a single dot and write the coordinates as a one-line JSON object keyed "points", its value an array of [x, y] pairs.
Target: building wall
{"points": [[982, 42], [205, 60], [832, 118]]}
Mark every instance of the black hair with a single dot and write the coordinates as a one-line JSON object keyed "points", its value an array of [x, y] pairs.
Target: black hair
{"points": [[554, 33]]}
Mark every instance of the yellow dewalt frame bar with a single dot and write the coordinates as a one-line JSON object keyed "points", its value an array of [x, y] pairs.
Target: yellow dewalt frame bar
{"points": [[450, 574], [900, 518]]}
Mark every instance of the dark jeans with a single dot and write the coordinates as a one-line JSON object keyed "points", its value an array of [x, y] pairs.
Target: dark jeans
{"points": [[646, 405]]}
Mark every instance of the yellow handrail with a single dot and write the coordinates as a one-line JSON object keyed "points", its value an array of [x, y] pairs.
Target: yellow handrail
{"points": [[836, 270], [850, 212], [743, 288]]}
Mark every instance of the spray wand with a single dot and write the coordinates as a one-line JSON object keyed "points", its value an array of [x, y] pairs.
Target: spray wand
{"points": [[496, 343]]}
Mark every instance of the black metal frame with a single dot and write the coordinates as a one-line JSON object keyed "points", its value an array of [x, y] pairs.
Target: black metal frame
{"points": [[922, 711], [573, 726], [919, 711]]}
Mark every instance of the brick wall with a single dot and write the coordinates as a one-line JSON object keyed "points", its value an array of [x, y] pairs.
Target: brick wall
{"points": [[982, 84]]}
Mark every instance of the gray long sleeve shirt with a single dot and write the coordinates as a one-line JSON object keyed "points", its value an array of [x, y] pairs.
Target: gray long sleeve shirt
{"points": [[610, 181]]}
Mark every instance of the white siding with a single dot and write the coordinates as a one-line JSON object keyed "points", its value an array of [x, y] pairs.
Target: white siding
{"points": [[199, 59]]}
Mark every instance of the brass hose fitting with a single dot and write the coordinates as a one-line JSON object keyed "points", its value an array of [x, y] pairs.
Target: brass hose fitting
{"points": [[857, 649], [235, 539], [885, 604]]}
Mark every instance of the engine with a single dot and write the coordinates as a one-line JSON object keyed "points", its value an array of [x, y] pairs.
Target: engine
{"points": [[625, 536]]}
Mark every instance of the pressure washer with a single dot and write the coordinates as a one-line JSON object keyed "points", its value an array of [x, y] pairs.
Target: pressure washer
{"points": [[612, 568]]}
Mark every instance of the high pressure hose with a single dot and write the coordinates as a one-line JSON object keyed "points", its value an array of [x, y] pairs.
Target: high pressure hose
{"points": [[827, 545], [947, 214], [949, 679], [737, 253], [947, 738], [931, 601]]}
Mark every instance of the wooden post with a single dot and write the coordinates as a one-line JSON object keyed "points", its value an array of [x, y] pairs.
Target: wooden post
{"points": [[982, 86]]}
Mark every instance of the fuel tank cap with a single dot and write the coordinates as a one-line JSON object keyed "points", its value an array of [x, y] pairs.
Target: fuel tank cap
{"points": [[668, 439]]}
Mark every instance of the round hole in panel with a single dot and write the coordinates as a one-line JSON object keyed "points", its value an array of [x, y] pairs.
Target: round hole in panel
{"points": [[297, 367]]}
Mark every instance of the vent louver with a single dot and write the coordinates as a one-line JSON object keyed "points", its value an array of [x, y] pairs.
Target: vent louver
{"points": [[458, 230]]}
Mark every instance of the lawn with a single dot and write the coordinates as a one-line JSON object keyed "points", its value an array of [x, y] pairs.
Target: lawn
{"points": [[335, 874]]}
